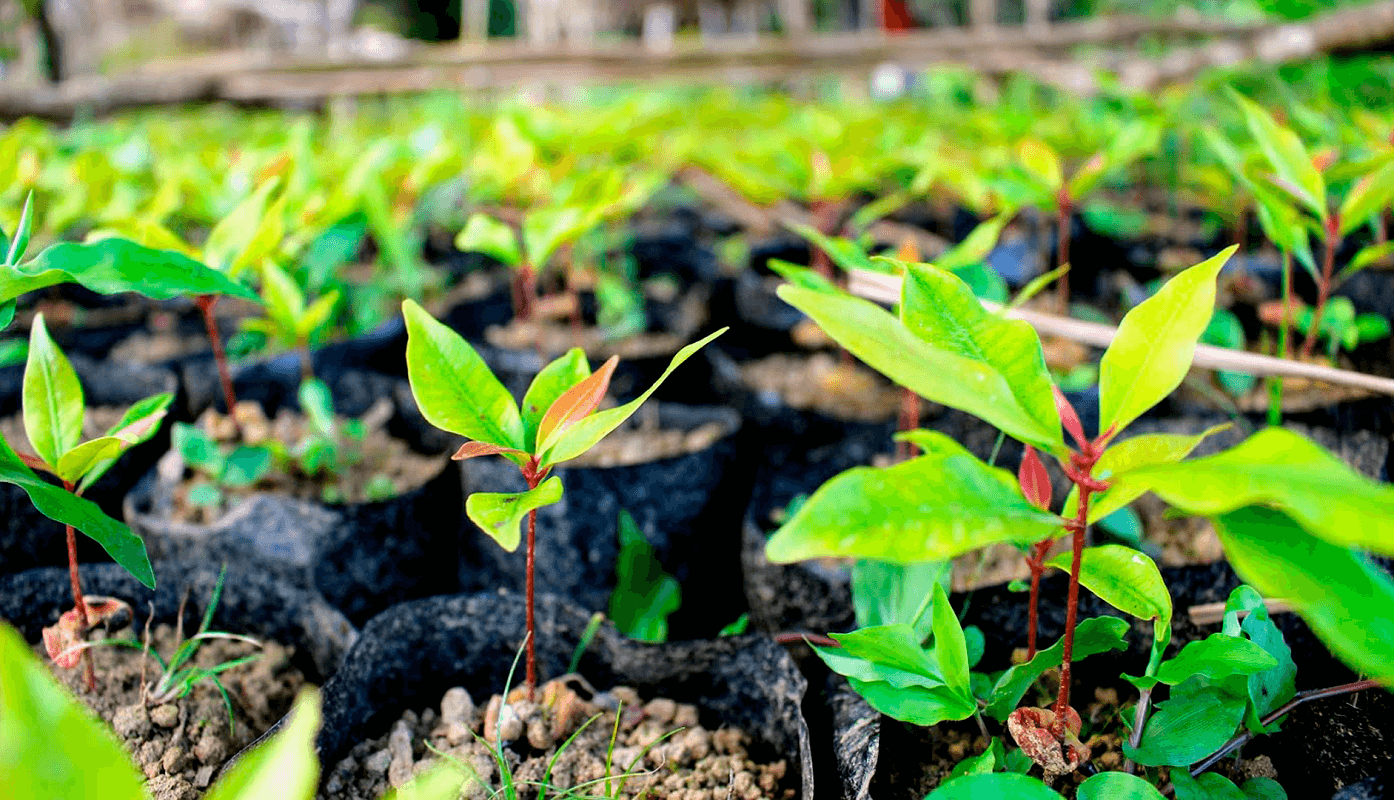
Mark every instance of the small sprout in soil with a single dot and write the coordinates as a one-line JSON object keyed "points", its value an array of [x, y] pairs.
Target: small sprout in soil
{"points": [[558, 421]]}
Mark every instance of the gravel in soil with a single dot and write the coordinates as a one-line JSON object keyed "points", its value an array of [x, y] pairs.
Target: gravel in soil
{"points": [[569, 738], [377, 457], [180, 745], [820, 382]]}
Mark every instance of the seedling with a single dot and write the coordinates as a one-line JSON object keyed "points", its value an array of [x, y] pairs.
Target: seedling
{"points": [[54, 411], [557, 422], [290, 322], [644, 594], [1264, 496], [544, 230]]}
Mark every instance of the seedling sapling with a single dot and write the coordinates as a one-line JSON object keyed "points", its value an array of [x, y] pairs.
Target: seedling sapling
{"points": [[53, 411], [557, 422], [544, 230], [290, 322]]}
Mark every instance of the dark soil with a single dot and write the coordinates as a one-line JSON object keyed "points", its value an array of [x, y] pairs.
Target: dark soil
{"points": [[181, 744], [659, 749], [821, 383]]}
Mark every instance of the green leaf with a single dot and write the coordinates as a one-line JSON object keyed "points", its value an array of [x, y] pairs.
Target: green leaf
{"points": [[52, 397], [1155, 344], [950, 649], [1128, 580], [73, 465], [1208, 787], [245, 466], [928, 369], [493, 238], [1340, 594], [574, 405], [235, 232], [1094, 635], [1036, 285], [885, 593], [315, 316], [51, 746], [317, 404], [1369, 196], [1042, 162], [982, 764], [500, 514], [1263, 789], [887, 666], [931, 508], [984, 282], [736, 628], [975, 248], [547, 229], [583, 435], [1188, 728], [285, 766], [1117, 786], [644, 596], [20, 243], [1214, 658], [1278, 468], [112, 266], [7, 313], [844, 253], [454, 388], [198, 450], [1364, 257], [995, 786], [1288, 158], [549, 384], [124, 547], [940, 309]]}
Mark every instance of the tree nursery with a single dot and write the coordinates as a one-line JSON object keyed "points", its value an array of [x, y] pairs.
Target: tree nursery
{"points": [[704, 443]]}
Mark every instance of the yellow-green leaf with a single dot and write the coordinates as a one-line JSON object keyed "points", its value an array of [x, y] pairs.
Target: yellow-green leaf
{"points": [[52, 397], [500, 514], [285, 766]]}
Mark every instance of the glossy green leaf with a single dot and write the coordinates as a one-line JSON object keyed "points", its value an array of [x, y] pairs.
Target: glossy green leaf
{"points": [[844, 253], [234, 233], [492, 237], [73, 465], [7, 313], [928, 369], [1188, 728], [574, 404], [1036, 285], [1094, 635], [1287, 156], [20, 242], [884, 593], [112, 266], [950, 647], [1278, 468], [51, 746], [1364, 257], [644, 595], [975, 248], [52, 397], [1283, 224], [549, 384], [124, 547], [1208, 786], [500, 515], [1263, 789], [940, 309], [285, 766], [1369, 196], [984, 282], [887, 666], [455, 390], [931, 508], [994, 786], [547, 229], [1126, 579], [583, 435], [985, 763], [1131, 453], [1340, 594], [1117, 786], [1272, 687], [1155, 344], [1214, 658]]}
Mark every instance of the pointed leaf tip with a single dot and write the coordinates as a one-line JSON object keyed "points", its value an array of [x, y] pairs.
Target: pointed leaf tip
{"points": [[1035, 483], [575, 403]]}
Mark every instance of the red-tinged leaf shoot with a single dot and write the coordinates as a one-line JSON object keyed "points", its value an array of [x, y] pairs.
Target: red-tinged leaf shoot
{"points": [[1035, 483], [576, 403], [61, 640], [1057, 754], [1069, 417], [476, 449]]}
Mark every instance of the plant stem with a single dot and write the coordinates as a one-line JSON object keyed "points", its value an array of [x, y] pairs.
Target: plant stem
{"points": [[1275, 384], [88, 672], [1036, 561], [794, 637], [1064, 207], [1084, 465], [531, 592], [1328, 264], [206, 303], [1297, 700], [1139, 721]]}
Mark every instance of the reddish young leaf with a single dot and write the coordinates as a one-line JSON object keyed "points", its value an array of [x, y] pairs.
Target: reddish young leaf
{"points": [[60, 639], [476, 449], [1030, 727], [1068, 417], [1035, 483], [575, 403]]}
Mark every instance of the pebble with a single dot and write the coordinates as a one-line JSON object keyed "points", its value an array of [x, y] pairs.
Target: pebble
{"points": [[131, 721], [686, 716], [210, 748], [174, 759], [660, 710], [377, 763], [150, 753], [456, 733], [399, 745], [168, 787], [203, 777], [539, 733], [166, 716], [456, 706]]}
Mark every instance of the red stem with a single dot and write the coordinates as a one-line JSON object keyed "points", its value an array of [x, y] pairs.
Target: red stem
{"points": [[533, 476], [1036, 561], [1062, 250], [206, 303], [1328, 264], [89, 673], [790, 637], [1081, 464]]}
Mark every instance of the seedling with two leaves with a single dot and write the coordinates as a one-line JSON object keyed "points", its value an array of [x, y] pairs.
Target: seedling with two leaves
{"points": [[558, 421]]}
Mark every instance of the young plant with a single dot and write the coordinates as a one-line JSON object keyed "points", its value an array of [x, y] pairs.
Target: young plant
{"points": [[544, 230], [54, 412], [644, 594], [290, 322], [557, 422], [55, 748], [1264, 496]]}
